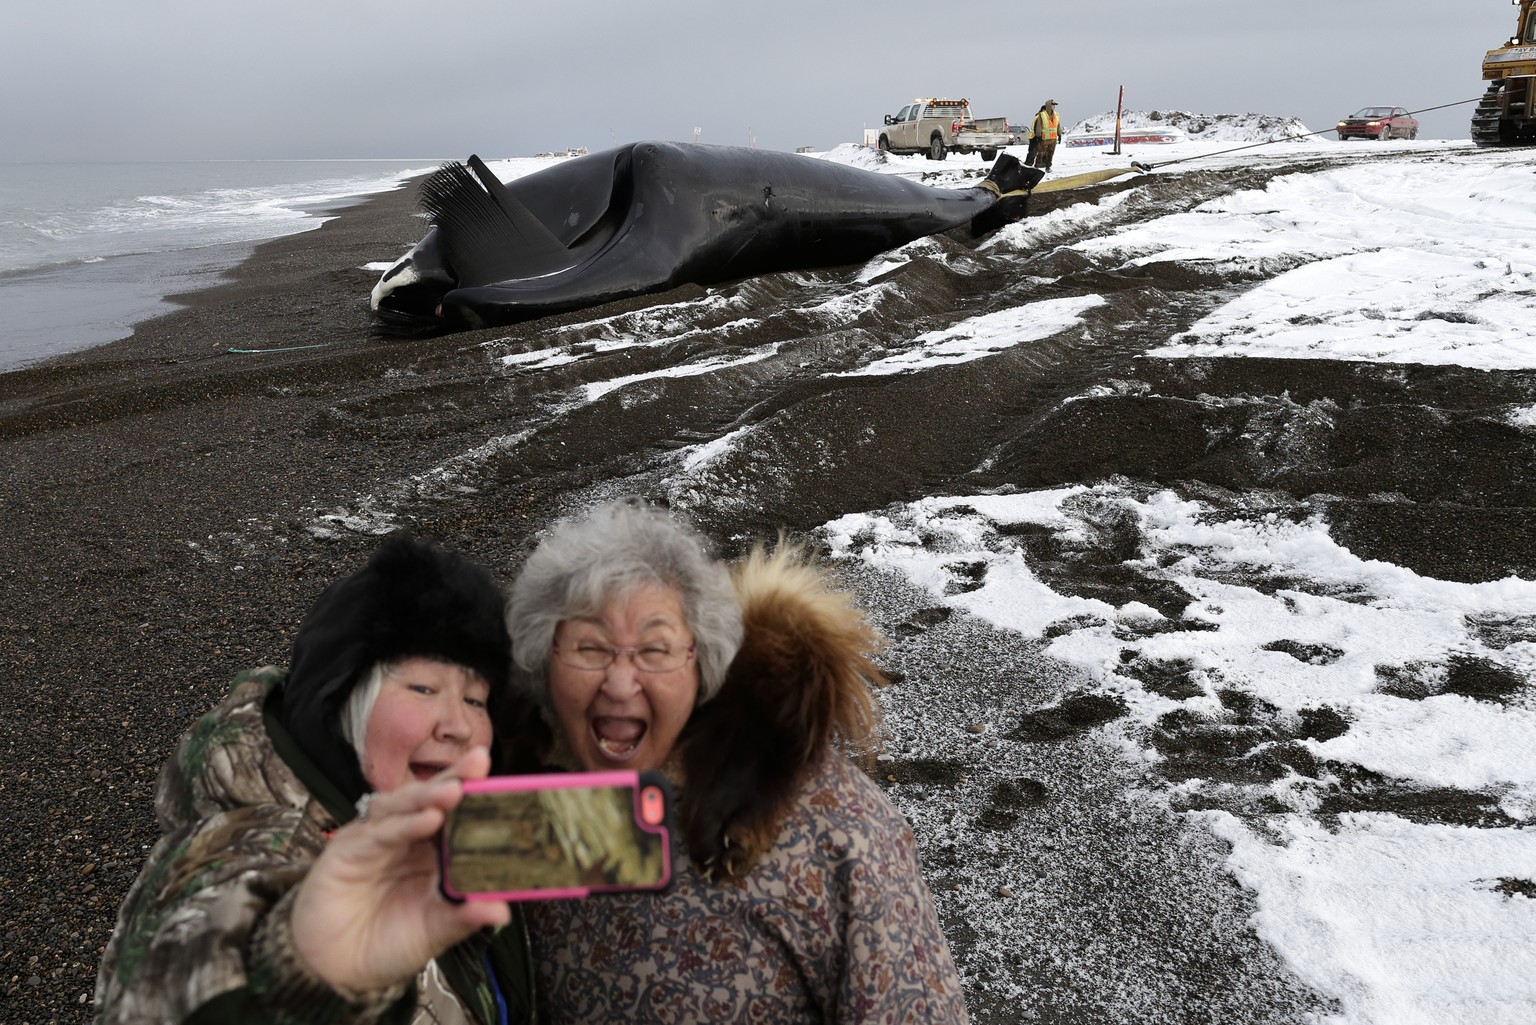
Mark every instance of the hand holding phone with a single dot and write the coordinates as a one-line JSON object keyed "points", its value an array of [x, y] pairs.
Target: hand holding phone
{"points": [[548, 837]]}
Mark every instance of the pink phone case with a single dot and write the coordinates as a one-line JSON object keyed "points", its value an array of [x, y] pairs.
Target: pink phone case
{"points": [[651, 812]]}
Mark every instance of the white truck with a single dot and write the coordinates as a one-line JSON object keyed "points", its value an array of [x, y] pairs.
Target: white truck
{"points": [[935, 127]]}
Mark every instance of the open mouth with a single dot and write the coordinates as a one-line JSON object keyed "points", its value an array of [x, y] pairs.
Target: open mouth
{"points": [[617, 738], [426, 770]]}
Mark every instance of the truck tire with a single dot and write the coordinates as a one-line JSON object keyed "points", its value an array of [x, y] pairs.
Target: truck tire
{"points": [[989, 155], [936, 150], [885, 144]]}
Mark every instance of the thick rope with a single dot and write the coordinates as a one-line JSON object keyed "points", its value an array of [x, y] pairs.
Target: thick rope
{"points": [[1293, 138]]}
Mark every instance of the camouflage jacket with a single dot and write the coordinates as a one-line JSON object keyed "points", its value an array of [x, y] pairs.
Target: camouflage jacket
{"points": [[202, 935]]}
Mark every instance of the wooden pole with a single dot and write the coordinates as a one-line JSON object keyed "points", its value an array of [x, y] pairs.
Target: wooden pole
{"points": [[1119, 106]]}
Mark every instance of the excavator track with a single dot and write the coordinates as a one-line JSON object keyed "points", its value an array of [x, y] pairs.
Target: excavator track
{"points": [[1485, 119], [1491, 128]]}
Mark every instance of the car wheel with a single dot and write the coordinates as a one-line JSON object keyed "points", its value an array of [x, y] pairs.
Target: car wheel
{"points": [[1386, 132], [1343, 137], [1414, 134], [936, 149], [885, 144]]}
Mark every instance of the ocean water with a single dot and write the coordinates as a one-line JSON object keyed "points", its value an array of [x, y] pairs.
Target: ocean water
{"points": [[88, 250]]}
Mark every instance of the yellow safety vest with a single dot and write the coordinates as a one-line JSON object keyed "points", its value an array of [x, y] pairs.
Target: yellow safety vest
{"points": [[1047, 126]]}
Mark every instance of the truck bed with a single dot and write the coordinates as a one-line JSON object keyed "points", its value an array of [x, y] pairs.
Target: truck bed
{"points": [[988, 125]]}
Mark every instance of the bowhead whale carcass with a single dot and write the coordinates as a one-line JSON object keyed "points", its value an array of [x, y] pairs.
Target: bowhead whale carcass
{"points": [[650, 216]]}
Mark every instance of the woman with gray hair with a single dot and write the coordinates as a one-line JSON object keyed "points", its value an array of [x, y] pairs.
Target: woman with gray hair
{"points": [[799, 899]]}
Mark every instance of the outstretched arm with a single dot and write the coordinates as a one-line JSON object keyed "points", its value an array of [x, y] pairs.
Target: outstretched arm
{"points": [[370, 915]]}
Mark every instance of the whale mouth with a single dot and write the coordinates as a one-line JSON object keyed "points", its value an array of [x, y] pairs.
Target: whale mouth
{"points": [[412, 289], [402, 275]]}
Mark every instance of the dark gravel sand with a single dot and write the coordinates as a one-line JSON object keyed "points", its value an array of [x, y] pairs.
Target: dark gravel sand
{"points": [[165, 502]]}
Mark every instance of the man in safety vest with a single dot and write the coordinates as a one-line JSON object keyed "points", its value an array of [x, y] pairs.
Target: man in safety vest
{"points": [[1034, 141], [1043, 135]]}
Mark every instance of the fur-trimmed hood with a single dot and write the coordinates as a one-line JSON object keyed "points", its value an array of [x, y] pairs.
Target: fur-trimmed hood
{"points": [[798, 687]]}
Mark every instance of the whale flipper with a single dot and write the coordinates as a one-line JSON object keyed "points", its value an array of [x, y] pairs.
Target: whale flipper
{"points": [[487, 234]]}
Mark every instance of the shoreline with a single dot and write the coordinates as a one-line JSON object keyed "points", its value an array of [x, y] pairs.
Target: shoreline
{"points": [[68, 307], [269, 270], [129, 603]]}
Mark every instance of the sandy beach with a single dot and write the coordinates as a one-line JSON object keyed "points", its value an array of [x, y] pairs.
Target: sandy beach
{"points": [[170, 508]]}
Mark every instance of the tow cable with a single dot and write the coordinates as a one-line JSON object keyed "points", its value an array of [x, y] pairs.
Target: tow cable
{"points": [[1291, 138]]}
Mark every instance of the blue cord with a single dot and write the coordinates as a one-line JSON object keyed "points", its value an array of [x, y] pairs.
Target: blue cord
{"points": [[501, 1001]]}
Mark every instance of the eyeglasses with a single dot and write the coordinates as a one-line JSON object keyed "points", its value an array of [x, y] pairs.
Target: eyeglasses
{"points": [[648, 658]]}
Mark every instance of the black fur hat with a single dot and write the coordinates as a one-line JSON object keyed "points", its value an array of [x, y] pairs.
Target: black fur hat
{"points": [[411, 599]]}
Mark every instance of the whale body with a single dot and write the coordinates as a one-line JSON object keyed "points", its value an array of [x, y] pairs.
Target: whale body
{"points": [[650, 216]]}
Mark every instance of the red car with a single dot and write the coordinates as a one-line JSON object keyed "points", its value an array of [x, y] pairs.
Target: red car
{"points": [[1379, 123]]}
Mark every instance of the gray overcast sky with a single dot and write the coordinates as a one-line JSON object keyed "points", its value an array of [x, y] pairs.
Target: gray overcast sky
{"points": [[195, 79]]}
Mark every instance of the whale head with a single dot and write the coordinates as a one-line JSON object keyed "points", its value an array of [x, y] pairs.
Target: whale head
{"points": [[415, 285]]}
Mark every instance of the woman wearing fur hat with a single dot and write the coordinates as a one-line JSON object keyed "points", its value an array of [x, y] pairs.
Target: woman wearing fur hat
{"points": [[799, 899], [295, 878]]}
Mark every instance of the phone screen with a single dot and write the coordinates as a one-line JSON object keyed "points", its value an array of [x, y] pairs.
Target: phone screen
{"points": [[557, 836]]}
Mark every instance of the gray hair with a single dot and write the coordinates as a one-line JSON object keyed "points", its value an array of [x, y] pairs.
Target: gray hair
{"points": [[585, 562], [359, 706]]}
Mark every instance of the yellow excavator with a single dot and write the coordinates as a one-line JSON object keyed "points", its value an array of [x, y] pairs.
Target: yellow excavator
{"points": [[1506, 115]]}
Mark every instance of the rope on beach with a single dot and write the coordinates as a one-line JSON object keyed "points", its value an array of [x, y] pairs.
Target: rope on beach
{"points": [[1077, 181], [286, 348], [1293, 138]]}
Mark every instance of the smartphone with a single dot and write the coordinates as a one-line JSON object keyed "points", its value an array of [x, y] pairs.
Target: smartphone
{"points": [[558, 836]]}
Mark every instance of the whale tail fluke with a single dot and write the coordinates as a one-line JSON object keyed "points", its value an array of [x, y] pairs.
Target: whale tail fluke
{"points": [[486, 234], [1011, 181], [1009, 174]]}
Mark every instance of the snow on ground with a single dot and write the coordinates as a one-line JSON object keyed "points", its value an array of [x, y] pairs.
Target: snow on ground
{"points": [[1222, 128], [1405, 923], [981, 336], [1396, 261]]}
